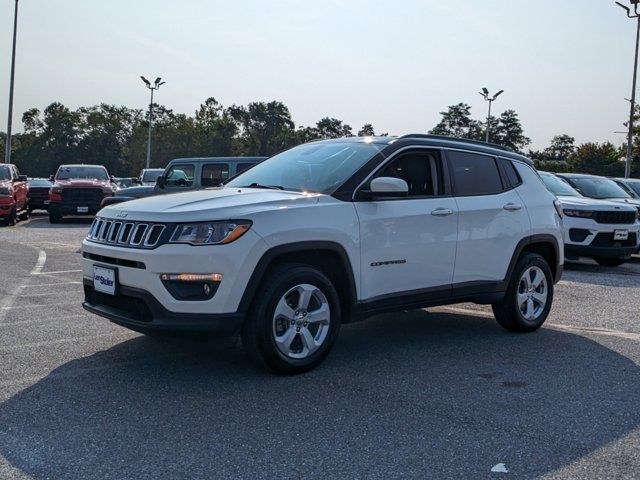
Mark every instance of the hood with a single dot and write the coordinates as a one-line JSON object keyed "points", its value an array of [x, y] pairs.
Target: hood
{"points": [[210, 204], [136, 192], [629, 201], [82, 183], [592, 204]]}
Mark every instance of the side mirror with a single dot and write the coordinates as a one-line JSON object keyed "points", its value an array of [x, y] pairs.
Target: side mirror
{"points": [[22, 178], [51, 178], [160, 182], [112, 179], [136, 181], [387, 187]]}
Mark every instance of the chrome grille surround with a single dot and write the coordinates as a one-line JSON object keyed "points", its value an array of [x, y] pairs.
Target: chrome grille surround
{"points": [[126, 234]]}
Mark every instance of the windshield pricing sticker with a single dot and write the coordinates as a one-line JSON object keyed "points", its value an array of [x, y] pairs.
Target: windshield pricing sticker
{"points": [[104, 280]]}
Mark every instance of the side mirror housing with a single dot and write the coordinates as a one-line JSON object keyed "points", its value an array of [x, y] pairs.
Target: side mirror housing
{"points": [[51, 178], [159, 182], [386, 187]]}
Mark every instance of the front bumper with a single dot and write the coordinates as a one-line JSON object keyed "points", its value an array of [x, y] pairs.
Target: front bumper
{"points": [[586, 238], [138, 310], [71, 208], [6, 206]]}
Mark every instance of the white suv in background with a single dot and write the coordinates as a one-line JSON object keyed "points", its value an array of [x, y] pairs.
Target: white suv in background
{"points": [[327, 233], [603, 230]]}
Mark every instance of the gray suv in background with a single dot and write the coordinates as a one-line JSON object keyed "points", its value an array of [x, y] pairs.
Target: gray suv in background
{"points": [[185, 174]]}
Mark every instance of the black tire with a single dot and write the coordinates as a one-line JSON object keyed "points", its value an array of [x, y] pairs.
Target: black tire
{"points": [[25, 214], [258, 336], [54, 217], [508, 312], [610, 261], [12, 218]]}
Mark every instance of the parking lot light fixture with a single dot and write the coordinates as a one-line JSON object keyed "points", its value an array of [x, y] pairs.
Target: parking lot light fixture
{"points": [[636, 16], [156, 85], [7, 152], [485, 94]]}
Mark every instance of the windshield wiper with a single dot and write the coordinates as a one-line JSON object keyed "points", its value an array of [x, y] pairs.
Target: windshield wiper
{"points": [[269, 187]]}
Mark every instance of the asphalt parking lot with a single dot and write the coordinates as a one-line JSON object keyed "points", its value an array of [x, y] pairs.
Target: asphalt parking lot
{"points": [[440, 393]]}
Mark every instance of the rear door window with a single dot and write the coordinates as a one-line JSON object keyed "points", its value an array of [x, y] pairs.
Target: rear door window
{"points": [[213, 174], [243, 166], [180, 176], [513, 177], [474, 174]]}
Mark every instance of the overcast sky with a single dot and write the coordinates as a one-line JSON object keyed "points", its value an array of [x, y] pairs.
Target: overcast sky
{"points": [[565, 65]]}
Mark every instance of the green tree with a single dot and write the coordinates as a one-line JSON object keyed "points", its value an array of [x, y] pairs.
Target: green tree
{"points": [[366, 131], [457, 122], [332, 128], [597, 159], [266, 127], [509, 132]]}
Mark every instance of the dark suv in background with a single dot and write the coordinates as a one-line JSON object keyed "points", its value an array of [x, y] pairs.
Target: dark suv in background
{"points": [[78, 190]]}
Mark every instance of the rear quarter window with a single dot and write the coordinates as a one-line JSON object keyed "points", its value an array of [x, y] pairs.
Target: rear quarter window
{"points": [[474, 174]]}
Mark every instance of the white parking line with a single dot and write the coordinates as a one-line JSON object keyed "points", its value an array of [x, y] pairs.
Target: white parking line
{"points": [[31, 285], [56, 273], [7, 302]]}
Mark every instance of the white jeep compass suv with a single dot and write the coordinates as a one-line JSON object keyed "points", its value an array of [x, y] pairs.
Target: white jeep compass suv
{"points": [[327, 233]]}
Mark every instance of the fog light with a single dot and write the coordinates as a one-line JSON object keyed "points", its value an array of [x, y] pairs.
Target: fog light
{"points": [[191, 277], [191, 286]]}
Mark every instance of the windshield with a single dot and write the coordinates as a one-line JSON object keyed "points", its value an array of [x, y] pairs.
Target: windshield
{"points": [[634, 185], [151, 175], [85, 173], [39, 182], [558, 186], [313, 167], [5, 174], [596, 187]]}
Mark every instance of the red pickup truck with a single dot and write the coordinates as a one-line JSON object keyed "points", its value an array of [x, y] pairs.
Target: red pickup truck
{"points": [[14, 194], [78, 190]]}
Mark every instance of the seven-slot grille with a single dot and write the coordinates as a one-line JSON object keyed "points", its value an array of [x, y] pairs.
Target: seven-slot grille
{"points": [[125, 234], [615, 217]]}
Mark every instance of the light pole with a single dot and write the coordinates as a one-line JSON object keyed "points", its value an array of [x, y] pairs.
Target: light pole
{"points": [[156, 85], [490, 99], [635, 15], [7, 151]]}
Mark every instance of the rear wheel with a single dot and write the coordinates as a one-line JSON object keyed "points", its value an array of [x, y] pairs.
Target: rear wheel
{"points": [[611, 261], [294, 320], [529, 296]]}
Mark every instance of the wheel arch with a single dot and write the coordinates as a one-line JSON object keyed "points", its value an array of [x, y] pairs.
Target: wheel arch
{"points": [[542, 244], [329, 257]]}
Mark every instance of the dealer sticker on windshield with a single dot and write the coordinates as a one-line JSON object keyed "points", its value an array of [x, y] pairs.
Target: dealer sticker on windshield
{"points": [[621, 235], [104, 280]]}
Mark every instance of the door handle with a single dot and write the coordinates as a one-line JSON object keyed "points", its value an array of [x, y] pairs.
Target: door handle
{"points": [[512, 207], [442, 212]]}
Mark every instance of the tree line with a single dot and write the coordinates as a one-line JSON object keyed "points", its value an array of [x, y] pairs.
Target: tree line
{"points": [[116, 137]]}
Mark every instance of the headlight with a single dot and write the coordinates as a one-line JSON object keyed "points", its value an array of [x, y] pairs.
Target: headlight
{"points": [[210, 233], [578, 213], [5, 191]]}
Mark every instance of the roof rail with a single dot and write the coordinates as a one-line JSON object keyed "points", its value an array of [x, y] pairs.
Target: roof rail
{"points": [[457, 139]]}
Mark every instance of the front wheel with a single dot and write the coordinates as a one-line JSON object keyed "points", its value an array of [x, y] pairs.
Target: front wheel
{"points": [[12, 218], [611, 261], [54, 217], [529, 296], [294, 320]]}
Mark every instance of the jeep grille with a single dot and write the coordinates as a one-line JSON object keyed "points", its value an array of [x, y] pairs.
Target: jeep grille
{"points": [[126, 234]]}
